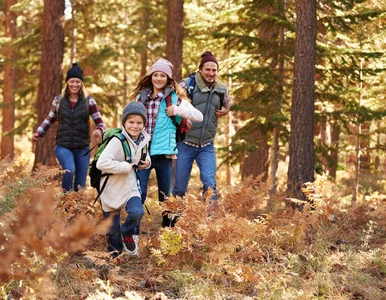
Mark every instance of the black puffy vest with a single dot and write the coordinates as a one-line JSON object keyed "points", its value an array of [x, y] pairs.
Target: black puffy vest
{"points": [[73, 125]]}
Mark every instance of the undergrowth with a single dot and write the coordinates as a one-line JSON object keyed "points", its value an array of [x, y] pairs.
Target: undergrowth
{"points": [[52, 249]]}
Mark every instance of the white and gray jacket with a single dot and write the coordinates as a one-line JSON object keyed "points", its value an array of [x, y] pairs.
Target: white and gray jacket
{"points": [[122, 185]]}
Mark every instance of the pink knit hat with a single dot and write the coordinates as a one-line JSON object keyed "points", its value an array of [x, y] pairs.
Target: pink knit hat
{"points": [[162, 65]]}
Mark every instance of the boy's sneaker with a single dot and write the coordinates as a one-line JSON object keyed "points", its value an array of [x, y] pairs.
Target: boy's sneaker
{"points": [[130, 245]]}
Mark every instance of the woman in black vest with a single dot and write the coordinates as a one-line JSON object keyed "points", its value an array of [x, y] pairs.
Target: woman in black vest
{"points": [[72, 109]]}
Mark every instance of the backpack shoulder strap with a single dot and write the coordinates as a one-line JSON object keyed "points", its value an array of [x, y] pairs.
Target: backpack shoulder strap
{"points": [[191, 84], [58, 100], [170, 100], [222, 96], [125, 145]]}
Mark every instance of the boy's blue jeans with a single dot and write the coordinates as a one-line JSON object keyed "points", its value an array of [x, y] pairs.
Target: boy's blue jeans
{"points": [[135, 212], [206, 161], [75, 162]]}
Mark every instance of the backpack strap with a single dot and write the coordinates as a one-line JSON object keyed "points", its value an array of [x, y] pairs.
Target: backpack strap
{"points": [[221, 99], [128, 158], [170, 100], [58, 100], [126, 147], [191, 84]]}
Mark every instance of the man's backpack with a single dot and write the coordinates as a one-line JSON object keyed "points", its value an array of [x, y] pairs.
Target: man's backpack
{"points": [[192, 84]]}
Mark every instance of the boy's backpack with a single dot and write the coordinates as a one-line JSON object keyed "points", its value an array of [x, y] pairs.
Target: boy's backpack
{"points": [[192, 84], [96, 174]]}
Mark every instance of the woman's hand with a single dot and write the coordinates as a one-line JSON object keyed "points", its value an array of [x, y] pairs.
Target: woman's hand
{"points": [[36, 136], [97, 134]]}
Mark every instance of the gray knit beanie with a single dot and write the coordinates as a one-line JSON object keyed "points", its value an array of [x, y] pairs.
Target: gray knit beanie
{"points": [[134, 108]]}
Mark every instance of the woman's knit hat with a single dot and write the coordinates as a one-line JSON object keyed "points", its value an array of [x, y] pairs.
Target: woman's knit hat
{"points": [[134, 108], [162, 65], [208, 56], [74, 72]]}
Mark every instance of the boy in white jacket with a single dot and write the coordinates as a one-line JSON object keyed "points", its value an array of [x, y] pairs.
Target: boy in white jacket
{"points": [[123, 189]]}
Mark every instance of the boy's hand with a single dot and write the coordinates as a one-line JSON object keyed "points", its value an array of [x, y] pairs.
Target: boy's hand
{"points": [[143, 164]]}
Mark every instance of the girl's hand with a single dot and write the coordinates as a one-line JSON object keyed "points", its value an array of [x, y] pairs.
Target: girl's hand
{"points": [[170, 111], [143, 164]]}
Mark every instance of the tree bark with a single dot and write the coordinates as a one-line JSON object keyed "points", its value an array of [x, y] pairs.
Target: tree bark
{"points": [[8, 120], [256, 163], [144, 26], [50, 74], [335, 129], [175, 35], [301, 144]]}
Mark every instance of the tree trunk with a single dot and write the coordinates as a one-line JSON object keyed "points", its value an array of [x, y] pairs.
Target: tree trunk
{"points": [[256, 163], [301, 144], [50, 74], [144, 25], [174, 36], [365, 162], [335, 129], [8, 120], [143, 62], [275, 149]]}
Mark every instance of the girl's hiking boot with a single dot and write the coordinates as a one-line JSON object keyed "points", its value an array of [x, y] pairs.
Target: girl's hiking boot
{"points": [[136, 239], [114, 254], [130, 245]]}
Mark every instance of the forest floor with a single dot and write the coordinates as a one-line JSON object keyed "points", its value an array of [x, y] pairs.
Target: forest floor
{"points": [[52, 249]]}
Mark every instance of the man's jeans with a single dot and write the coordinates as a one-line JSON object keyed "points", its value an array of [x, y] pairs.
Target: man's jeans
{"points": [[75, 163], [163, 170], [206, 161], [135, 212]]}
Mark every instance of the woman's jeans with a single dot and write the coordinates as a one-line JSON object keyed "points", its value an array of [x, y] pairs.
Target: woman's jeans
{"points": [[117, 231], [75, 163]]}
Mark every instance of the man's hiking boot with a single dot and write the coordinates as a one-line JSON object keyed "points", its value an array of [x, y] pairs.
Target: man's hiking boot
{"points": [[167, 221], [130, 245]]}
